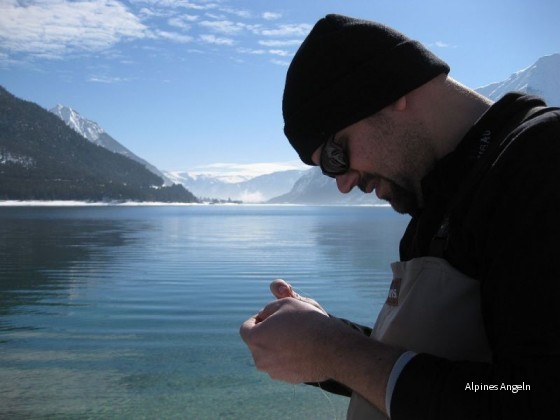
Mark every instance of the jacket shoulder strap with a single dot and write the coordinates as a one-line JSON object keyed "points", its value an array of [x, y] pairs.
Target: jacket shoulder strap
{"points": [[500, 144]]}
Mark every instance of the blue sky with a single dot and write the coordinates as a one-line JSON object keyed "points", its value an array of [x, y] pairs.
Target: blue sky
{"points": [[197, 85]]}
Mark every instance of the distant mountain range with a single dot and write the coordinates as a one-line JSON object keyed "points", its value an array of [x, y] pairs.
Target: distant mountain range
{"points": [[315, 188], [255, 190], [65, 168], [206, 187], [41, 158]]}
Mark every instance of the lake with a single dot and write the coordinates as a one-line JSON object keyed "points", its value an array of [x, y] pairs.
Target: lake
{"points": [[133, 312]]}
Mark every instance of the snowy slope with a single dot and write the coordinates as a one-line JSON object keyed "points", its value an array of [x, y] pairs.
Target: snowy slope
{"points": [[541, 79], [97, 135], [315, 188]]}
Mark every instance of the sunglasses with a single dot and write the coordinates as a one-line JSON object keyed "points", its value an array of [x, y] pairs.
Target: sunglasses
{"points": [[334, 159]]}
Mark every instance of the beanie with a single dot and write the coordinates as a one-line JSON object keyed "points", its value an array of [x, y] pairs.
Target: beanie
{"points": [[346, 70]]}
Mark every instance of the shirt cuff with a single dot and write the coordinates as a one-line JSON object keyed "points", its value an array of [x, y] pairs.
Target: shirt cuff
{"points": [[394, 376]]}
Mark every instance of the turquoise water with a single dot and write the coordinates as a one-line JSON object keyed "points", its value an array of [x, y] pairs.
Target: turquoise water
{"points": [[133, 312]]}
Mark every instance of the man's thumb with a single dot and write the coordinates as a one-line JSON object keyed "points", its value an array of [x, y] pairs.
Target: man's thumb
{"points": [[280, 289]]}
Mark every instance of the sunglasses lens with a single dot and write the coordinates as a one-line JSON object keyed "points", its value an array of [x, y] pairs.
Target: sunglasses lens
{"points": [[333, 159]]}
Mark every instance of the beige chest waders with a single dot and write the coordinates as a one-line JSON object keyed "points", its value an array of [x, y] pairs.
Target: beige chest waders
{"points": [[431, 308]]}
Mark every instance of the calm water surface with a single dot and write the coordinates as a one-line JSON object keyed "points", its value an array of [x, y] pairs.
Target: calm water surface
{"points": [[133, 312]]}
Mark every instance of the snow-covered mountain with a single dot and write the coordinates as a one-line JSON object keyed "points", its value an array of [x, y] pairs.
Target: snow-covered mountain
{"points": [[315, 188], [97, 135], [255, 190], [541, 79]]}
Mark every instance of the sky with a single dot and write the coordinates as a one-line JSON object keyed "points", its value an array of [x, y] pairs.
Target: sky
{"points": [[196, 85]]}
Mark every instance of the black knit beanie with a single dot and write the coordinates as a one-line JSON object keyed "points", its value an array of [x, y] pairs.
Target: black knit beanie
{"points": [[346, 70]]}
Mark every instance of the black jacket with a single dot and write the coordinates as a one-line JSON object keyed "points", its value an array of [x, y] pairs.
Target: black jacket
{"points": [[504, 230]]}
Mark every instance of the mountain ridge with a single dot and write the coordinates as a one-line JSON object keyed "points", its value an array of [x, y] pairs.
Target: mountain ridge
{"points": [[257, 189], [41, 158], [542, 78], [97, 135]]}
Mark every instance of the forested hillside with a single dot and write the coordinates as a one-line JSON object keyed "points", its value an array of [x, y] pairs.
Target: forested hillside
{"points": [[43, 159]]}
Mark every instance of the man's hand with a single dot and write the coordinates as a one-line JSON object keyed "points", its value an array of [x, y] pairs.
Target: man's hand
{"points": [[294, 340], [281, 289], [289, 339]]}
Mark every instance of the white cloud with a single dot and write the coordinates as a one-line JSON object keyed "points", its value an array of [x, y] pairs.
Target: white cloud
{"points": [[245, 171], [212, 39], [223, 26], [107, 79], [178, 4], [240, 13], [215, 16], [171, 36], [441, 44], [56, 27], [251, 51], [280, 43], [301, 29], [182, 22], [260, 51], [271, 16], [252, 197], [147, 12], [281, 53]]}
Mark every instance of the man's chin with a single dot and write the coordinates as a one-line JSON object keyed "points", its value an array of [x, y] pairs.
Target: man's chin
{"points": [[403, 202], [401, 199], [399, 209]]}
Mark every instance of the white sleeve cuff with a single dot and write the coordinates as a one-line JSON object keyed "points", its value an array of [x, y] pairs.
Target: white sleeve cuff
{"points": [[394, 376]]}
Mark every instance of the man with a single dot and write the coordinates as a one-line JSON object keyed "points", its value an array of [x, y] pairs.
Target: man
{"points": [[471, 327]]}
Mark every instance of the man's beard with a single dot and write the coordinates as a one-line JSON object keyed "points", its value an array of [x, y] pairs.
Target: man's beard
{"points": [[403, 200]]}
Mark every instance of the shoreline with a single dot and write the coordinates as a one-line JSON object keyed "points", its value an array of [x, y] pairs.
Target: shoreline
{"points": [[74, 203]]}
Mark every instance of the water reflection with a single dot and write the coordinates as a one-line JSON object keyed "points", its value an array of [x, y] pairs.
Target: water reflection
{"points": [[44, 253], [366, 236], [355, 250], [134, 312]]}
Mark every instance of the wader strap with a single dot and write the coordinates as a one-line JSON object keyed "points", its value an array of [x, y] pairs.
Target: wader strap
{"points": [[500, 143]]}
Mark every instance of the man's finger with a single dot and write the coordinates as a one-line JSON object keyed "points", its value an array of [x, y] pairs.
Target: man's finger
{"points": [[268, 310], [282, 289], [247, 327]]}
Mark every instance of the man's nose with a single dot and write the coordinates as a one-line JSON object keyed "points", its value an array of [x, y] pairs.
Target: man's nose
{"points": [[347, 181]]}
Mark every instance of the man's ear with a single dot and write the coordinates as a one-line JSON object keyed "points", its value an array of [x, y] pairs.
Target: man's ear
{"points": [[316, 156], [399, 104]]}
